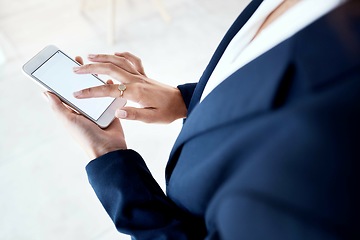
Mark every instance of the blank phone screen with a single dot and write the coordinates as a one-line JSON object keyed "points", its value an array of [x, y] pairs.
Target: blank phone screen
{"points": [[57, 74]]}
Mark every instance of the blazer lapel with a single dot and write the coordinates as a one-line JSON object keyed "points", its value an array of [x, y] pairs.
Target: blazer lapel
{"points": [[296, 67], [251, 90], [233, 30]]}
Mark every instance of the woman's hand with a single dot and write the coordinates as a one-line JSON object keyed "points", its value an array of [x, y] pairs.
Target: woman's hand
{"points": [[94, 140], [159, 103]]}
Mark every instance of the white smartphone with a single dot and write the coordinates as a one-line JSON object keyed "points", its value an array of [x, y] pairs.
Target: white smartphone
{"points": [[53, 70]]}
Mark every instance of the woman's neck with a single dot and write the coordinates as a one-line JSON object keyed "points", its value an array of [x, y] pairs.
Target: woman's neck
{"points": [[280, 10]]}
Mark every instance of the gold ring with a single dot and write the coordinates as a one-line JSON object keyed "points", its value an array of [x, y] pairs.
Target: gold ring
{"points": [[122, 88]]}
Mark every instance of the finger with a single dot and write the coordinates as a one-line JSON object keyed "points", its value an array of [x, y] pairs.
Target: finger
{"points": [[58, 106], [109, 82], [134, 60], [106, 69], [133, 92], [79, 60], [116, 60], [147, 115], [108, 90]]}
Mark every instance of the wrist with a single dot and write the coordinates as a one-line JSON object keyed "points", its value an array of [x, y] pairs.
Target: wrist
{"points": [[99, 151], [178, 101]]}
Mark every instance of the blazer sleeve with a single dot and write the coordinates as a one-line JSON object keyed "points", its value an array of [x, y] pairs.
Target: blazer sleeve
{"points": [[187, 91], [135, 202]]}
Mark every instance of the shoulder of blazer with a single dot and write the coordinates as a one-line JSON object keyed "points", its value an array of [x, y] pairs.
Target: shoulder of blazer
{"points": [[329, 47], [316, 57]]}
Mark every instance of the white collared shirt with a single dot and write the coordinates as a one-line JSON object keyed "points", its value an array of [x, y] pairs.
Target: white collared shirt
{"points": [[242, 50]]}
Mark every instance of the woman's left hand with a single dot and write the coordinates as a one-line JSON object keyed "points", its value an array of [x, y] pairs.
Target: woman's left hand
{"points": [[94, 140]]}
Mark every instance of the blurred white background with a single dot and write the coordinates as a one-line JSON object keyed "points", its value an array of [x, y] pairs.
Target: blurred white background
{"points": [[43, 184]]}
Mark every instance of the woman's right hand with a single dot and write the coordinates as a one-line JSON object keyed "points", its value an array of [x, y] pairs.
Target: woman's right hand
{"points": [[159, 103]]}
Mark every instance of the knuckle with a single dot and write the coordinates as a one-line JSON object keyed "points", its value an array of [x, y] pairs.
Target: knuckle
{"points": [[126, 54], [87, 92], [122, 61], [107, 68], [104, 89], [101, 56], [132, 115], [89, 66], [111, 67], [107, 65], [137, 91], [119, 54], [141, 80]]}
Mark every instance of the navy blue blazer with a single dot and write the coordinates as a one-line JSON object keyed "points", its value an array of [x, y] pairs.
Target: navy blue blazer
{"points": [[272, 153]]}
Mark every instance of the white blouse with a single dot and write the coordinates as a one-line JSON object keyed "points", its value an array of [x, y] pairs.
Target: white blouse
{"points": [[242, 50]]}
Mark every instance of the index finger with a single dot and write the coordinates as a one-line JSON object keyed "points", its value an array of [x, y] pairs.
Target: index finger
{"points": [[108, 90], [108, 69]]}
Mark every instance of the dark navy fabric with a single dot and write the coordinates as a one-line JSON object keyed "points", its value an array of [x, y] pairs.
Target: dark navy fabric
{"points": [[271, 153], [187, 91]]}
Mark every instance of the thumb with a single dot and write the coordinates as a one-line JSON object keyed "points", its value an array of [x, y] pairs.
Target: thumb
{"points": [[54, 102], [57, 106], [141, 114]]}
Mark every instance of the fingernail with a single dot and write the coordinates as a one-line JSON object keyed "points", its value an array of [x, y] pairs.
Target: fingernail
{"points": [[77, 94], [91, 56], [75, 69], [120, 113]]}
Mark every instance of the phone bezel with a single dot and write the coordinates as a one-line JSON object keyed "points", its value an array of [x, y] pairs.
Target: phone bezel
{"points": [[40, 58]]}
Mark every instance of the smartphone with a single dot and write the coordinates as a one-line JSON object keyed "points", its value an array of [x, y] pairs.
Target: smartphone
{"points": [[53, 70]]}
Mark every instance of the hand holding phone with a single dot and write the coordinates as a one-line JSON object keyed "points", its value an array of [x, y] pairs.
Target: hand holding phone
{"points": [[94, 140], [53, 70]]}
